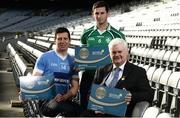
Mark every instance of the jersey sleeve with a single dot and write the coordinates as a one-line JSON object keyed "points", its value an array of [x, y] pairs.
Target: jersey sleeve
{"points": [[123, 36], [74, 71], [40, 65], [83, 38]]}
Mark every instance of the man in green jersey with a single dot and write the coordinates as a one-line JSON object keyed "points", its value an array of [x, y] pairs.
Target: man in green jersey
{"points": [[100, 34]]}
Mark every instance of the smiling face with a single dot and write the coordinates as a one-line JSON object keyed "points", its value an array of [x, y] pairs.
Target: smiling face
{"points": [[62, 42], [118, 54]]}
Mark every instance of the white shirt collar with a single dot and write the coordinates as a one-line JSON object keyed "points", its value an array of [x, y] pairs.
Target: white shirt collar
{"points": [[121, 67]]}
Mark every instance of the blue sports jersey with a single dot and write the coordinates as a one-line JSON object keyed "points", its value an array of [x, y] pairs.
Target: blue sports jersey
{"points": [[51, 63]]}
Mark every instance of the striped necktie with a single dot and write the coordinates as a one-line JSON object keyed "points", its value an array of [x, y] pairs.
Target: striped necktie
{"points": [[115, 78]]}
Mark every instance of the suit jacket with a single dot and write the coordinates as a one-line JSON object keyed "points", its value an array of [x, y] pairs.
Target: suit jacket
{"points": [[134, 79]]}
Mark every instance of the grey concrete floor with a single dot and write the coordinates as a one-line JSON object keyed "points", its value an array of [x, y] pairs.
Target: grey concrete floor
{"points": [[8, 91]]}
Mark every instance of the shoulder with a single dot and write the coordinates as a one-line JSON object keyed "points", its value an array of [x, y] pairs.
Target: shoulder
{"points": [[135, 67], [48, 53], [71, 58], [88, 30], [116, 32]]}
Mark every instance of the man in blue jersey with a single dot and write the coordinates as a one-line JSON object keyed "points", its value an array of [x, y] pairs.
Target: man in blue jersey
{"points": [[58, 61], [100, 34]]}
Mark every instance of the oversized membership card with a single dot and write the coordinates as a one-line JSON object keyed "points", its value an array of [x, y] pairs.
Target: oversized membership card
{"points": [[37, 87], [88, 58], [108, 100]]}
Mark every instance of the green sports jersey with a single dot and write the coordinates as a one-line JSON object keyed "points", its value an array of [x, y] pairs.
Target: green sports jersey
{"points": [[93, 37]]}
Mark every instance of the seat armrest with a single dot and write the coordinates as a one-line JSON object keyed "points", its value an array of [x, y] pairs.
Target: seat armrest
{"points": [[140, 108]]}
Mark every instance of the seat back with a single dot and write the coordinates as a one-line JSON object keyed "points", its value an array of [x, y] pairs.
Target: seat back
{"points": [[151, 112], [163, 88], [164, 115], [173, 92], [155, 84], [150, 72]]}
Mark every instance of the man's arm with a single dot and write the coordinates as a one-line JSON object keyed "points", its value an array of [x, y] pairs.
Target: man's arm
{"points": [[144, 92], [38, 68], [71, 93], [83, 40], [74, 88], [36, 73]]}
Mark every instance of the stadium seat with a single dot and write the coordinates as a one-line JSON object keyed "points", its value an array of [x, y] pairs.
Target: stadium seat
{"points": [[133, 52], [36, 53], [155, 85], [160, 57], [43, 46], [173, 93], [164, 89], [177, 64], [146, 67], [178, 101], [144, 56], [164, 115], [139, 55], [171, 43], [154, 57], [151, 112], [166, 57], [178, 44], [43, 38], [149, 73], [172, 60], [149, 56], [31, 41]]}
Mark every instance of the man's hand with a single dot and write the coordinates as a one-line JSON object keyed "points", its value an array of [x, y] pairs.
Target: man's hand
{"points": [[128, 98], [59, 98], [20, 97], [98, 113]]}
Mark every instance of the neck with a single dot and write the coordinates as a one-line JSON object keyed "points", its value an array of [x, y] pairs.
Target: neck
{"points": [[62, 53], [102, 27]]}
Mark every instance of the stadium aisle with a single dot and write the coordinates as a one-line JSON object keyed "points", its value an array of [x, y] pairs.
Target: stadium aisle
{"points": [[8, 90]]}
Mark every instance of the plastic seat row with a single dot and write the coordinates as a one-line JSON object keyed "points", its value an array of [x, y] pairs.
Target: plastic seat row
{"points": [[141, 41], [155, 112], [19, 65], [160, 58], [29, 52], [166, 86]]}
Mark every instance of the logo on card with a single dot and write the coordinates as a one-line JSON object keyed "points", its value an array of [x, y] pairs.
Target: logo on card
{"points": [[100, 93], [84, 53], [31, 84]]}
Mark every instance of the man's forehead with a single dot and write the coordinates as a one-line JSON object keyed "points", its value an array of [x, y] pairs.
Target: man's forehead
{"points": [[100, 9]]}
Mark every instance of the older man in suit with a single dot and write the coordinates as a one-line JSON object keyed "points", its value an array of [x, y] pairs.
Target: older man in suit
{"points": [[131, 77]]}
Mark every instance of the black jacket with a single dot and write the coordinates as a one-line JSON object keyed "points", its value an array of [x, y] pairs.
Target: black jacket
{"points": [[134, 79]]}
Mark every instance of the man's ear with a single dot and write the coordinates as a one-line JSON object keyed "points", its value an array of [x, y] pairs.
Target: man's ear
{"points": [[92, 15]]}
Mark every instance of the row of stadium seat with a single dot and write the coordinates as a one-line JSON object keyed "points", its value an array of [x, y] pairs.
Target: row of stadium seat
{"points": [[157, 57], [29, 52], [166, 86], [19, 66]]}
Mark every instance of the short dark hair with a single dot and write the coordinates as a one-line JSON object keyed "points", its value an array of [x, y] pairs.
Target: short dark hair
{"points": [[62, 30], [100, 4]]}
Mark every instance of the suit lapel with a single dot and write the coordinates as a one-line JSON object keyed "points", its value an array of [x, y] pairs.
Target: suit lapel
{"points": [[107, 70], [126, 70]]}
